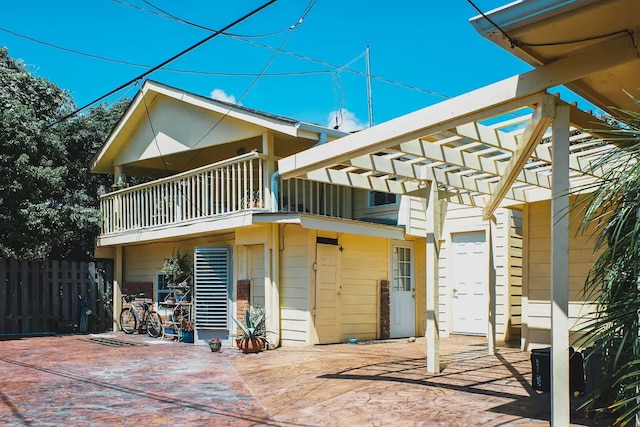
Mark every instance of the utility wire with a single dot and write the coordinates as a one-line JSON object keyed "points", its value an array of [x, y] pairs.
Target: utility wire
{"points": [[514, 42], [253, 83], [167, 15], [167, 61], [172, 70], [245, 39]]}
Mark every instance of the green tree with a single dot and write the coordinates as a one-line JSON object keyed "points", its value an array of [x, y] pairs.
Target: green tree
{"points": [[613, 211], [32, 157], [48, 198], [79, 209]]}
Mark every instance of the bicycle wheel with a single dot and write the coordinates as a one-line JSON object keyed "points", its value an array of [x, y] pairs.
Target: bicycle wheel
{"points": [[128, 321], [154, 324]]}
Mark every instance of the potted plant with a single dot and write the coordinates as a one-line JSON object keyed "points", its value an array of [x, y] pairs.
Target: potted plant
{"points": [[178, 269], [253, 332], [187, 330]]}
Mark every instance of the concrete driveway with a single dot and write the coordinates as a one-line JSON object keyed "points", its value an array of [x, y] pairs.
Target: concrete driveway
{"points": [[69, 381]]}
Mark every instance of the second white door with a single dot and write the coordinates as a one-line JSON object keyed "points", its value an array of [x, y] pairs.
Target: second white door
{"points": [[470, 267]]}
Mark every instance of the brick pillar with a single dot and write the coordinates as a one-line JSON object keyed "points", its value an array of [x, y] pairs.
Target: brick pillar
{"points": [[243, 298], [385, 309]]}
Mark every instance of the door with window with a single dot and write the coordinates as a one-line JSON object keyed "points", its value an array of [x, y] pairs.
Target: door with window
{"points": [[403, 305], [470, 271]]}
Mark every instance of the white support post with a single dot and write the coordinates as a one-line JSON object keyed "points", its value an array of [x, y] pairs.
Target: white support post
{"points": [[560, 415], [491, 281], [274, 322], [116, 288], [268, 169], [432, 237]]}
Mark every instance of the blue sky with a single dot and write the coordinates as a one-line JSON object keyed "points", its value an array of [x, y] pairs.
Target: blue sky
{"points": [[426, 44]]}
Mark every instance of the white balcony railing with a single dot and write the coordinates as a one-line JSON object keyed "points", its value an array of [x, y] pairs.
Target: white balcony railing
{"points": [[221, 188], [299, 195]]}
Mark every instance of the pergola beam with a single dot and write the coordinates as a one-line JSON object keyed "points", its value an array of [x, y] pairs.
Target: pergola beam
{"points": [[351, 179], [459, 157], [537, 126]]}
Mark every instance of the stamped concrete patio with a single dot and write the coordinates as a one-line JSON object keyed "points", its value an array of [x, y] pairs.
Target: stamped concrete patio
{"points": [[53, 381]]}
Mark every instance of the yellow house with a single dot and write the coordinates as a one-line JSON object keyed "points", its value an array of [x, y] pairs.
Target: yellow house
{"points": [[329, 262]]}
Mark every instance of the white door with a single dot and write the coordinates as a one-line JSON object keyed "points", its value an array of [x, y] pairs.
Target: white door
{"points": [[327, 294], [403, 305], [470, 267]]}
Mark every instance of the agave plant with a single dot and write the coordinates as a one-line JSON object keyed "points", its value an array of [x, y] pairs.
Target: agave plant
{"points": [[611, 211], [253, 326], [253, 336]]}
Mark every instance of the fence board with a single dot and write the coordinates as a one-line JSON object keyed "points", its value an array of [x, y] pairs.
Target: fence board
{"points": [[13, 291], [24, 303], [64, 294], [45, 306], [55, 292], [74, 298], [35, 296], [4, 307]]}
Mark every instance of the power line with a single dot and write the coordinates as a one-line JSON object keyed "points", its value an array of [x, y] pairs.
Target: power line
{"points": [[515, 42], [167, 15], [269, 62], [172, 70], [245, 39], [167, 61]]}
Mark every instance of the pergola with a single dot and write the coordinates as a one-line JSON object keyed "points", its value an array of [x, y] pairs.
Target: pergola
{"points": [[506, 144]]}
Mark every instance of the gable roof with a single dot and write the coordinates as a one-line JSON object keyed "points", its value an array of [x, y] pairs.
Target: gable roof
{"points": [[151, 90]]}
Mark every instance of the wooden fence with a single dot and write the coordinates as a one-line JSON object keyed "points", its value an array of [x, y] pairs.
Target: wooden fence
{"points": [[51, 296]]}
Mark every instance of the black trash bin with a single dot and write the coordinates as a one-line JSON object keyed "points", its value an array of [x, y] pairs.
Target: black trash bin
{"points": [[541, 370]]}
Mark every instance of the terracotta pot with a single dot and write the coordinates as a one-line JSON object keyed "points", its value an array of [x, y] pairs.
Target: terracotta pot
{"points": [[251, 345]]}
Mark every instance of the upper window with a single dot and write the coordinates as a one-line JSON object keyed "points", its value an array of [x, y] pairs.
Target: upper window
{"points": [[377, 198]]}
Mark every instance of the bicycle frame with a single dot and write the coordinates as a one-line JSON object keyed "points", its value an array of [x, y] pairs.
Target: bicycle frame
{"points": [[139, 309]]}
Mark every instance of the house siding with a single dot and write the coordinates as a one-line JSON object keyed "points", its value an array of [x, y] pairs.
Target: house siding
{"points": [[538, 275], [505, 250], [295, 286], [515, 243], [364, 262]]}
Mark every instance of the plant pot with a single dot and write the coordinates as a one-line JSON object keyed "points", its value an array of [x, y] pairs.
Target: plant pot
{"points": [[215, 346], [169, 332], [187, 336], [238, 340], [251, 345]]}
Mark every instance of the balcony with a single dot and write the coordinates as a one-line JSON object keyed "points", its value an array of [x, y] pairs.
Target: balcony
{"points": [[216, 191]]}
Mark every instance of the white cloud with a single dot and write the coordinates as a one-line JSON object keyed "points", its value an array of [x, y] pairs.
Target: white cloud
{"points": [[221, 95], [346, 121]]}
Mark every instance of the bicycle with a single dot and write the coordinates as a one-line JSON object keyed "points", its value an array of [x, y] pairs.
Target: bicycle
{"points": [[140, 314]]}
